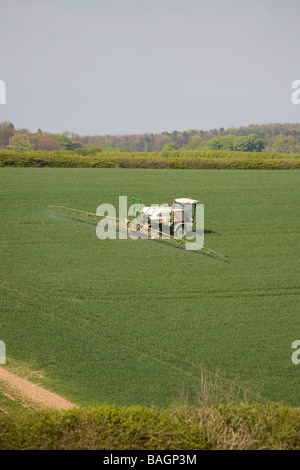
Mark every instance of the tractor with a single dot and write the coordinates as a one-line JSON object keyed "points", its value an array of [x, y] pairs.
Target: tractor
{"points": [[179, 218]]}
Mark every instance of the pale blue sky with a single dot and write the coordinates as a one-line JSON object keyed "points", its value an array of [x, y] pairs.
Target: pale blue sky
{"points": [[122, 67]]}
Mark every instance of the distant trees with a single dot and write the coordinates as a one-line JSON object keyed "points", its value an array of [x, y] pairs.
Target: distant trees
{"points": [[253, 138], [20, 142], [47, 143], [251, 143], [67, 143], [283, 144], [220, 143], [195, 143], [24, 140], [6, 132], [170, 146], [282, 138]]}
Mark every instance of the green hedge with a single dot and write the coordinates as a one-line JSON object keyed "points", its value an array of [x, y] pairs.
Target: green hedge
{"points": [[213, 159], [252, 426]]}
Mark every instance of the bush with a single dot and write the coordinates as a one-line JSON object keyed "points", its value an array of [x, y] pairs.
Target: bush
{"points": [[228, 426]]}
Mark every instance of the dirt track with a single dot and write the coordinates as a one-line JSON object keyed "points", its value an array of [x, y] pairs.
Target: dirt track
{"points": [[33, 393]]}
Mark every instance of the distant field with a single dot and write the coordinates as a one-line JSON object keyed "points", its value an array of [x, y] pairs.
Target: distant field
{"points": [[129, 322]]}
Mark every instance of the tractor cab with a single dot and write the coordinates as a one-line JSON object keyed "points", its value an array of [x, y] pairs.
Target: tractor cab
{"points": [[185, 203]]}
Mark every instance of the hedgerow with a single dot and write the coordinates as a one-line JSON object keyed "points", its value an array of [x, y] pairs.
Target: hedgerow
{"points": [[206, 159], [225, 427]]}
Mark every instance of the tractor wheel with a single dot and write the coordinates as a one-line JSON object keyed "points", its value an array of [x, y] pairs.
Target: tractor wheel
{"points": [[179, 231]]}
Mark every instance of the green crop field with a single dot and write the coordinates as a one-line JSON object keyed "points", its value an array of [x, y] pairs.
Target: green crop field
{"points": [[131, 321]]}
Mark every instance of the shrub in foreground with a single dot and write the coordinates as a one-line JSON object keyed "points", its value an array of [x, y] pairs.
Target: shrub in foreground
{"points": [[228, 426]]}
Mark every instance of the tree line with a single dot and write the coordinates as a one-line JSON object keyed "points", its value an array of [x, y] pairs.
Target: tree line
{"points": [[278, 138]]}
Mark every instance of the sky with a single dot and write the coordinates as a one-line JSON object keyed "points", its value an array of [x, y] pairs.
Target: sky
{"points": [[135, 66]]}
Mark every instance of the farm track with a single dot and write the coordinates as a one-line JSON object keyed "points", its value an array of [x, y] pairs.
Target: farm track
{"points": [[31, 395]]}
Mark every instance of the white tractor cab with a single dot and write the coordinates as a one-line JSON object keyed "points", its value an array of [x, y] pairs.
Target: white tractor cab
{"points": [[180, 217]]}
